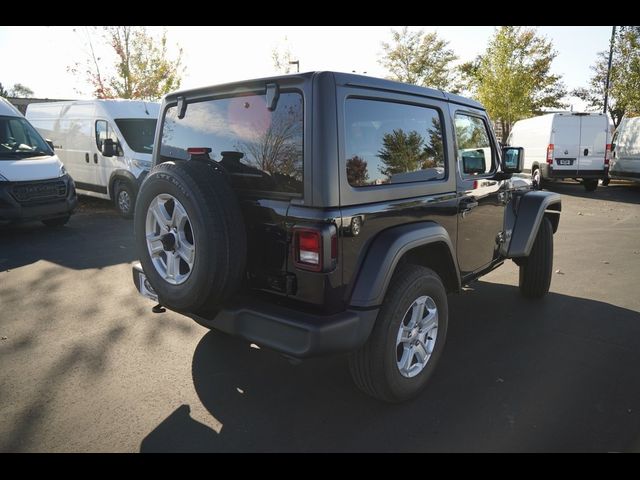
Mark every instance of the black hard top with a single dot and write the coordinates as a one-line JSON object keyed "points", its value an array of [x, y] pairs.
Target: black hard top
{"points": [[347, 79]]}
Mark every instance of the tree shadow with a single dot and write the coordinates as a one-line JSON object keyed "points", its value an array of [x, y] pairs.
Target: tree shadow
{"points": [[555, 375], [94, 238], [624, 192]]}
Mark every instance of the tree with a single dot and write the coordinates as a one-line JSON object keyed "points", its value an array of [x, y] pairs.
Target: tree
{"points": [[513, 78], [357, 171], [402, 152], [3, 91], [624, 83], [421, 59], [139, 67], [20, 90], [282, 58]]}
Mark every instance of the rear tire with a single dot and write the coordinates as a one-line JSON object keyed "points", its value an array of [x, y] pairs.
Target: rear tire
{"points": [[590, 185], [56, 222], [376, 367], [536, 269], [213, 233]]}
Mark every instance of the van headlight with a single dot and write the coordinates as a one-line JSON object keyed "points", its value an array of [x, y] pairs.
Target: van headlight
{"points": [[141, 164], [63, 171]]}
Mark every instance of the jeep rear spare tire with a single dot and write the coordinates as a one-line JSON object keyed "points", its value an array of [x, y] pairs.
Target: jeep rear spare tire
{"points": [[190, 235]]}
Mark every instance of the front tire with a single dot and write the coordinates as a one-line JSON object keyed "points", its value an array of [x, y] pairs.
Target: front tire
{"points": [[124, 198], [535, 270], [407, 340]]}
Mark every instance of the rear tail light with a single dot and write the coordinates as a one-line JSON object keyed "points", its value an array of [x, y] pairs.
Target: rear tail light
{"points": [[198, 151], [550, 154], [607, 155], [315, 249]]}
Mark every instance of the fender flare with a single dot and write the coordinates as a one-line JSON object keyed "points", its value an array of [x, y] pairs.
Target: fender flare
{"points": [[531, 208], [385, 252]]}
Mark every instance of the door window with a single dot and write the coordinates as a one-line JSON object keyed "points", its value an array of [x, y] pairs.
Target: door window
{"points": [[104, 131], [475, 154]]}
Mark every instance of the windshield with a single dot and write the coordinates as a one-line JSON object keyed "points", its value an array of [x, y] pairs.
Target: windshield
{"points": [[138, 133], [18, 139]]}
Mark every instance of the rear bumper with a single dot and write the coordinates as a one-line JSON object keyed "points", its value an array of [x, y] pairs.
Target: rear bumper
{"points": [[549, 172], [13, 210], [292, 332]]}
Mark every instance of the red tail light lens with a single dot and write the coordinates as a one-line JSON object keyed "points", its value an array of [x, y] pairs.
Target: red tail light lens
{"points": [[607, 155], [550, 154], [308, 249], [198, 150]]}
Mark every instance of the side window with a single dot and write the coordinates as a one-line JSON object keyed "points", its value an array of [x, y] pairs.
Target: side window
{"points": [[475, 155], [104, 130], [389, 142]]}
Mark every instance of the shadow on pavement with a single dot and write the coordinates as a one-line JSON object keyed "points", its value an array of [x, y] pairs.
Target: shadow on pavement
{"points": [[624, 192], [560, 374], [80, 244]]}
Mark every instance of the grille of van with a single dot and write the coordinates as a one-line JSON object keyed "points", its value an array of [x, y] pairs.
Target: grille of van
{"points": [[39, 192]]}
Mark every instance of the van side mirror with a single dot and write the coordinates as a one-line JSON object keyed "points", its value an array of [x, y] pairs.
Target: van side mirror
{"points": [[473, 161], [512, 159], [108, 148], [50, 143]]}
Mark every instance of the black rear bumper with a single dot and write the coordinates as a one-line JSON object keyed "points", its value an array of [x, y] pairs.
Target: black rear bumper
{"points": [[292, 332], [19, 201], [555, 173]]}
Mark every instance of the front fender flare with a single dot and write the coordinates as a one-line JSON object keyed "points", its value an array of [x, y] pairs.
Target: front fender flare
{"points": [[531, 208]]}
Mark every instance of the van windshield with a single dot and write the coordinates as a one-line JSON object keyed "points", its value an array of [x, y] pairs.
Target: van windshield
{"points": [[138, 133], [18, 139]]}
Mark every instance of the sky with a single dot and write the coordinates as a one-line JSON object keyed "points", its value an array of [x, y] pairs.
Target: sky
{"points": [[38, 56]]}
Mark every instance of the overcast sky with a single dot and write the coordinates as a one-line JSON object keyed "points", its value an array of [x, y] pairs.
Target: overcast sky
{"points": [[38, 56]]}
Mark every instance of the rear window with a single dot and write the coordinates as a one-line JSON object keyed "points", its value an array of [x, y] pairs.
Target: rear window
{"points": [[262, 150]]}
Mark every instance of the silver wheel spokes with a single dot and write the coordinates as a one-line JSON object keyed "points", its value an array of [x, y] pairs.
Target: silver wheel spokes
{"points": [[124, 201], [417, 336], [170, 239]]}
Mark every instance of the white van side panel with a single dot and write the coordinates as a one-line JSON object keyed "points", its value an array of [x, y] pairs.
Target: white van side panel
{"points": [[626, 155], [534, 135]]}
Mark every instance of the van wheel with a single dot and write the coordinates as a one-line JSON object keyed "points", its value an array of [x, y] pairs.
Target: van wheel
{"points": [[536, 179], [590, 185], [124, 198], [407, 339], [535, 270], [190, 235], [56, 222]]}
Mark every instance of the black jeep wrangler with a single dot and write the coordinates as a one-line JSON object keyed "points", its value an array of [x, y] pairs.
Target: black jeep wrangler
{"points": [[324, 212]]}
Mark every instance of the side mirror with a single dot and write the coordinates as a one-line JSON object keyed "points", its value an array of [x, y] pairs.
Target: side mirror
{"points": [[108, 148], [50, 143], [473, 161], [512, 159]]}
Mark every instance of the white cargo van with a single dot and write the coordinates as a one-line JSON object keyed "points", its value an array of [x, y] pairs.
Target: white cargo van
{"points": [[625, 148], [33, 182], [105, 145], [564, 145]]}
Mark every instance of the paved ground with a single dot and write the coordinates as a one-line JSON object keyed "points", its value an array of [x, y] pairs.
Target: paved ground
{"points": [[86, 366]]}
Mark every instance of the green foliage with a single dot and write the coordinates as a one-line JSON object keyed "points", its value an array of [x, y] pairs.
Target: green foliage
{"points": [[513, 78], [624, 83], [3, 91], [18, 90], [140, 67], [421, 59], [402, 152]]}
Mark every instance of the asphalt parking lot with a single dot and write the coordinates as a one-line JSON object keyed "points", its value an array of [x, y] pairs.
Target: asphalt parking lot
{"points": [[86, 365]]}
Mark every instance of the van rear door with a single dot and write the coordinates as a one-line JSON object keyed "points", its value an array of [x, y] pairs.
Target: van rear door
{"points": [[593, 142], [566, 140]]}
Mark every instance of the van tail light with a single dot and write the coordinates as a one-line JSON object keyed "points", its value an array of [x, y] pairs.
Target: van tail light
{"points": [[315, 249], [607, 155], [550, 154]]}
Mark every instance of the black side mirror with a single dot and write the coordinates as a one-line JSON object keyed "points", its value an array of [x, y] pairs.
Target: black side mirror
{"points": [[473, 162], [50, 143], [108, 148], [512, 159]]}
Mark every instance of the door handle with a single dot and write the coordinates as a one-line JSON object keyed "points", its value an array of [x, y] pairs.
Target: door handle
{"points": [[86, 157], [468, 205], [95, 158], [586, 152]]}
